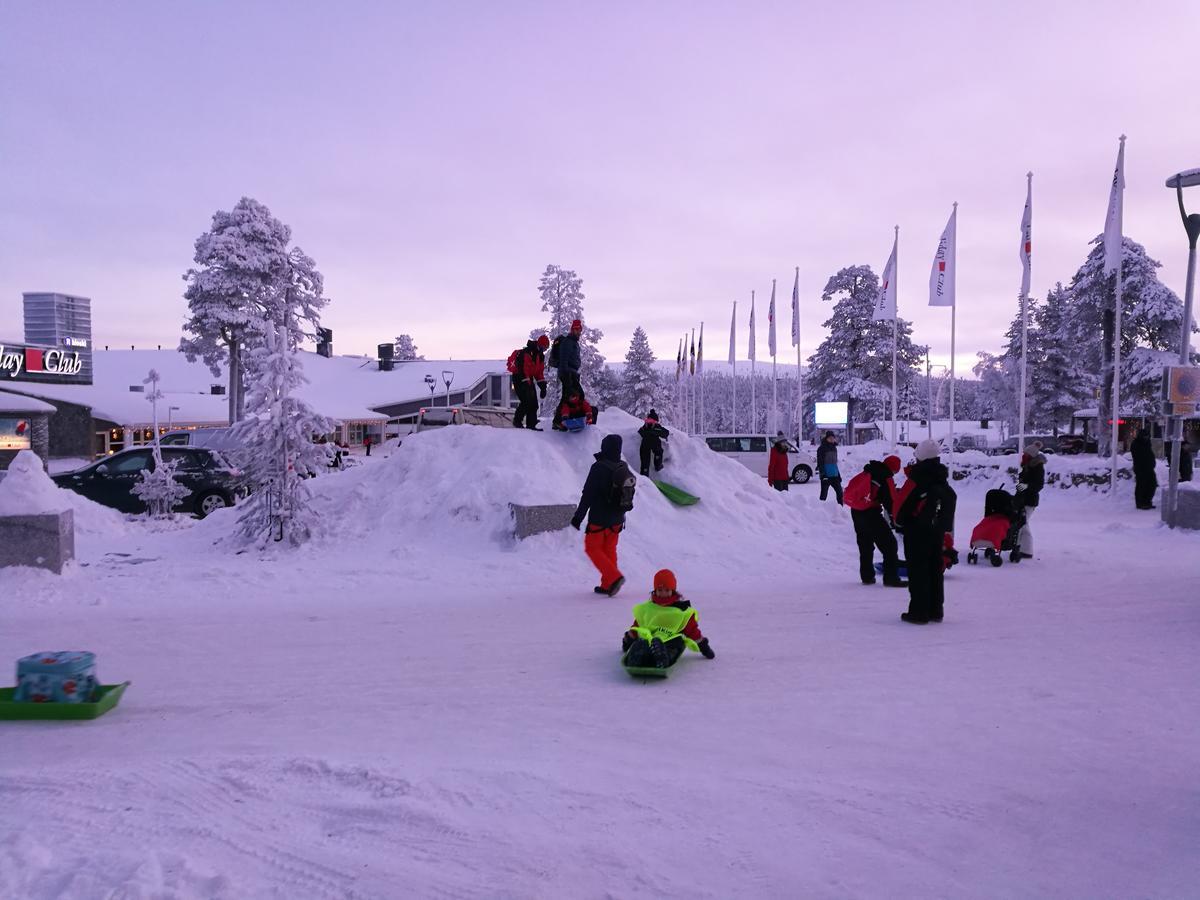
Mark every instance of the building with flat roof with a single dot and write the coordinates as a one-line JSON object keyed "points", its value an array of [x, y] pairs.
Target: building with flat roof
{"points": [[62, 321]]}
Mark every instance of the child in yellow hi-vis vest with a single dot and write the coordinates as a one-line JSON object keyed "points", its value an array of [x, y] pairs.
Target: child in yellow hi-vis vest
{"points": [[662, 627]]}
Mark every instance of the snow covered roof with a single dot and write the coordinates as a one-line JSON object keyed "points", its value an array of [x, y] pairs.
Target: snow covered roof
{"points": [[19, 403], [344, 388]]}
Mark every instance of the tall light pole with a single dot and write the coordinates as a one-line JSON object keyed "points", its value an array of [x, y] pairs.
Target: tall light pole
{"points": [[1191, 225], [170, 416]]}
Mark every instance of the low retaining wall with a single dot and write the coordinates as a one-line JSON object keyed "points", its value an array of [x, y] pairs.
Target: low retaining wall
{"points": [[531, 520], [45, 541]]}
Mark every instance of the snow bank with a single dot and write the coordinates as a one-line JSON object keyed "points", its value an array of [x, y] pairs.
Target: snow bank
{"points": [[27, 490]]}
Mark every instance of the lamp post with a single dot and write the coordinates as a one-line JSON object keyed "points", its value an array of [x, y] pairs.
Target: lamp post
{"points": [[448, 378], [431, 383], [1191, 225]]}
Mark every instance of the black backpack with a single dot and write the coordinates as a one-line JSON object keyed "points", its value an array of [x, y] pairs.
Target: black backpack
{"points": [[624, 483], [552, 359]]}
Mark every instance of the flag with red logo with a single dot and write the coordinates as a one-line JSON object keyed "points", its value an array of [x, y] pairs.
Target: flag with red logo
{"points": [[1027, 238], [885, 301], [1114, 223], [941, 275]]}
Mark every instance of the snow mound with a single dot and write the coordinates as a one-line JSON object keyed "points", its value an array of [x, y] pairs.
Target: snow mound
{"points": [[27, 490]]}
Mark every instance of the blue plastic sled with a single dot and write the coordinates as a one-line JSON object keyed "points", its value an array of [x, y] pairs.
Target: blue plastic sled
{"points": [[576, 424], [901, 570]]}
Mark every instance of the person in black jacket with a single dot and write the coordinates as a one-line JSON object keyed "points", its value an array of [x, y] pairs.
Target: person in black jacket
{"points": [[568, 360], [827, 467], [925, 517], [1145, 481], [652, 434], [1030, 482], [871, 516], [602, 505]]}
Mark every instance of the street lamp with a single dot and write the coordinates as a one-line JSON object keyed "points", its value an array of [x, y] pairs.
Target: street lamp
{"points": [[448, 378], [1191, 225], [431, 383]]}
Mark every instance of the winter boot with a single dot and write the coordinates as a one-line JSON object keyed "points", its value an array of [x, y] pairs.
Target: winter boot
{"points": [[895, 582], [659, 652], [913, 620], [600, 590], [616, 586]]}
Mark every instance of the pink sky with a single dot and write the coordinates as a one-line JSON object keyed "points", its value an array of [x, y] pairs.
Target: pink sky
{"points": [[434, 158]]}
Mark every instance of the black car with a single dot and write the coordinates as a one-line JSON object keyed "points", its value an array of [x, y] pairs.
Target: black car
{"points": [[212, 483]]}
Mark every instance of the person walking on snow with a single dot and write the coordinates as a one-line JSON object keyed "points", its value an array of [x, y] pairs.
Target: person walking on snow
{"points": [[663, 627], [871, 497], [367, 443], [652, 434], [925, 517], [1145, 481], [566, 358], [607, 496], [528, 368], [779, 473], [1030, 482], [827, 467]]}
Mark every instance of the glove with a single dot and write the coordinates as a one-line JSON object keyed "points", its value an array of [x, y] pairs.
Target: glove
{"points": [[1021, 487], [542, 389], [575, 523], [627, 640], [705, 650]]}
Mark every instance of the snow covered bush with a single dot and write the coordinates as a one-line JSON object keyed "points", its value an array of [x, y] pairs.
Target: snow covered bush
{"points": [[157, 487]]}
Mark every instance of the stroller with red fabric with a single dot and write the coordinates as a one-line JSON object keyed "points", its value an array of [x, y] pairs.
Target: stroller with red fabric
{"points": [[999, 530]]}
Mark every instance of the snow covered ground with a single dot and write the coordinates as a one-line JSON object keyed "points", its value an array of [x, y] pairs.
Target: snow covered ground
{"points": [[417, 706]]}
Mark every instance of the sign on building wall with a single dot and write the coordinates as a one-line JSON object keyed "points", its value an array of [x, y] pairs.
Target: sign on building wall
{"points": [[44, 364], [14, 434]]}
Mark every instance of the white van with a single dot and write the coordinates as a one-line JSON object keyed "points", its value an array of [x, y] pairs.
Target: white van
{"points": [[752, 451]]}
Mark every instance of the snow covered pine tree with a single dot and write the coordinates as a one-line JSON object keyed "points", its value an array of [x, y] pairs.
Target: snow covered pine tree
{"points": [[405, 348], [641, 386], [561, 292]]}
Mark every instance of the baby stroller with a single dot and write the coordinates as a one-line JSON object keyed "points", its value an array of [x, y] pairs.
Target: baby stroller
{"points": [[999, 529]]}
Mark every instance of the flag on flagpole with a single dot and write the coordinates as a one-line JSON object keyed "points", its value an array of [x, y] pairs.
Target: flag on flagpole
{"points": [[692, 366], [885, 301], [771, 321], [700, 352], [752, 356], [941, 275], [1027, 236], [796, 311], [679, 360], [1113, 225], [733, 336]]}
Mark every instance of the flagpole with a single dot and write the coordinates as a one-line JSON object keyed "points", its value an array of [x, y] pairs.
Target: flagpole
{"points": [[701, 375], [773, 426], [1116, 393], [953, 314], [895, 332], [753, 407], [1025, 334], [799, 372], [733, 362]]}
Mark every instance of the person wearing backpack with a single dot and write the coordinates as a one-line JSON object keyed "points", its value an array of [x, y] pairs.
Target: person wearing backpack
{"points": [[869, 494], [566, 358], [925, 517], [527, 369], [607, 496]]}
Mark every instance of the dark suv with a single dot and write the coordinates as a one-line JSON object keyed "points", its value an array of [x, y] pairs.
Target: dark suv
{"points": [[211, 481]]}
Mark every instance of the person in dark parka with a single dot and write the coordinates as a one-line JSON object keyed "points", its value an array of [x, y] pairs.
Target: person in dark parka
{"points": [[605, 517], [871, 510], [1030, 482], [1145, 481], [652, 435], [568, 359], [827, 467], [925, 518]]}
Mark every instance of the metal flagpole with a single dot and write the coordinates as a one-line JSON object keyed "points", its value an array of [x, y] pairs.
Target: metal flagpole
{"points": [[733, 365], [1116, 390], [895, 331], [753, 406], [929, 387], [733, 412], [773, 423], [953, 313], [700, 375], [1025, 328], [799, 371]]}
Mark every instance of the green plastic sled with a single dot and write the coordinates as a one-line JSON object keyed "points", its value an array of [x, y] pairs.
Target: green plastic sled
{"points": [[109, 696], [676, 495]]}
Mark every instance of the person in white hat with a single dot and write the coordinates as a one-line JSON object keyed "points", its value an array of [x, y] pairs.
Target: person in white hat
{"points": [[925, 518]]}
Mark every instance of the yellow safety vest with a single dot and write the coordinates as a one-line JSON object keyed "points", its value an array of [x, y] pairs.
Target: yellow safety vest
{"points": [[663, 622]]}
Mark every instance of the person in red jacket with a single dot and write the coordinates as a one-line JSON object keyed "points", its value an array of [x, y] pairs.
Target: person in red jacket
{"points": [[869, 496], [778, 471], [574, 406], [528, 366], [663, 652]]}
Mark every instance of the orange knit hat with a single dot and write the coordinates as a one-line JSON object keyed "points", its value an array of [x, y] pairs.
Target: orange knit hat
{"points": [[664, 578]]}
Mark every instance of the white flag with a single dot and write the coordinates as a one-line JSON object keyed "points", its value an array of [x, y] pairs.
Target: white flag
{"points": [[1027, 238], [752, 325], [700, 352], [771, 321], [1114, 224], [941, 275], [885, 302], [733, 336], [796, 311]]}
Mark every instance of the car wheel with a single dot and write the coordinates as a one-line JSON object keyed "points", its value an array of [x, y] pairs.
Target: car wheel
{"points": [[210, 503], [801, 475]]}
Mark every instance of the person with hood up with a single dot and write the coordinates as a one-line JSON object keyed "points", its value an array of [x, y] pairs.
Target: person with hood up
{"points": [[827, 467], [925, 517], [1145, 481], [663, 627], [528, 367], [779, 473], [566, 358], [1030, 482], [652, 434], [607, 496], [870, 495]]}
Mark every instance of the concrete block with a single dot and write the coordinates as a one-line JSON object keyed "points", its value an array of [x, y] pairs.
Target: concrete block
{"points": [[46, 540], [531, 520], [1187, 510]]}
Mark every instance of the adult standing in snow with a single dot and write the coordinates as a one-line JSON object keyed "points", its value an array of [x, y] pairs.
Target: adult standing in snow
{"points": [[652, 435], [871, 497], [925, 517], [827, 467], [607, 496], [778, 471], [1030, 482], [528, 368], [367, 443], [1185, 458], [1145, 481], [565, 357]]}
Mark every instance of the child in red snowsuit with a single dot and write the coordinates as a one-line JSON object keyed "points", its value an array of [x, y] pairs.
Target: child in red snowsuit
{"points": [[574, 406], [673, 631]]}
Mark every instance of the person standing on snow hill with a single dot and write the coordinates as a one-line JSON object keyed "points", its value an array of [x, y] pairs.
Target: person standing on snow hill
{"points": [[926, 516], [1029, 491], [607, 496], [778, 471], [827, 467], [652, 434], [1145, 481], [870, 495], [528, 372], [663, 627], [565, 356]]}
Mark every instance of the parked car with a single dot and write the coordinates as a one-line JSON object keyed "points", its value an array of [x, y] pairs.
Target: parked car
{"points": [[213, 483], [217, 438], [1050, 445], [439, 416], [751, 450]]}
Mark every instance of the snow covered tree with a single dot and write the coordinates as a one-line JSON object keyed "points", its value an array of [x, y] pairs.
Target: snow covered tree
{"points": [[157, 487], [641, 386], [561, 292], [245, 273], [1058, 384], [855, 360], [278, 433], [405, 348], [995, 393]]}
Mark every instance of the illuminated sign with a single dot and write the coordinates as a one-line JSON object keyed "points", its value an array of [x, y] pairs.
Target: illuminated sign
{"points": [[14, 434], [75, 342], [39, 361]]}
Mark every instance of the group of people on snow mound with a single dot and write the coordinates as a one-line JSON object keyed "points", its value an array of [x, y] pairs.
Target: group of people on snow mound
{"points": [[527, 372]]}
